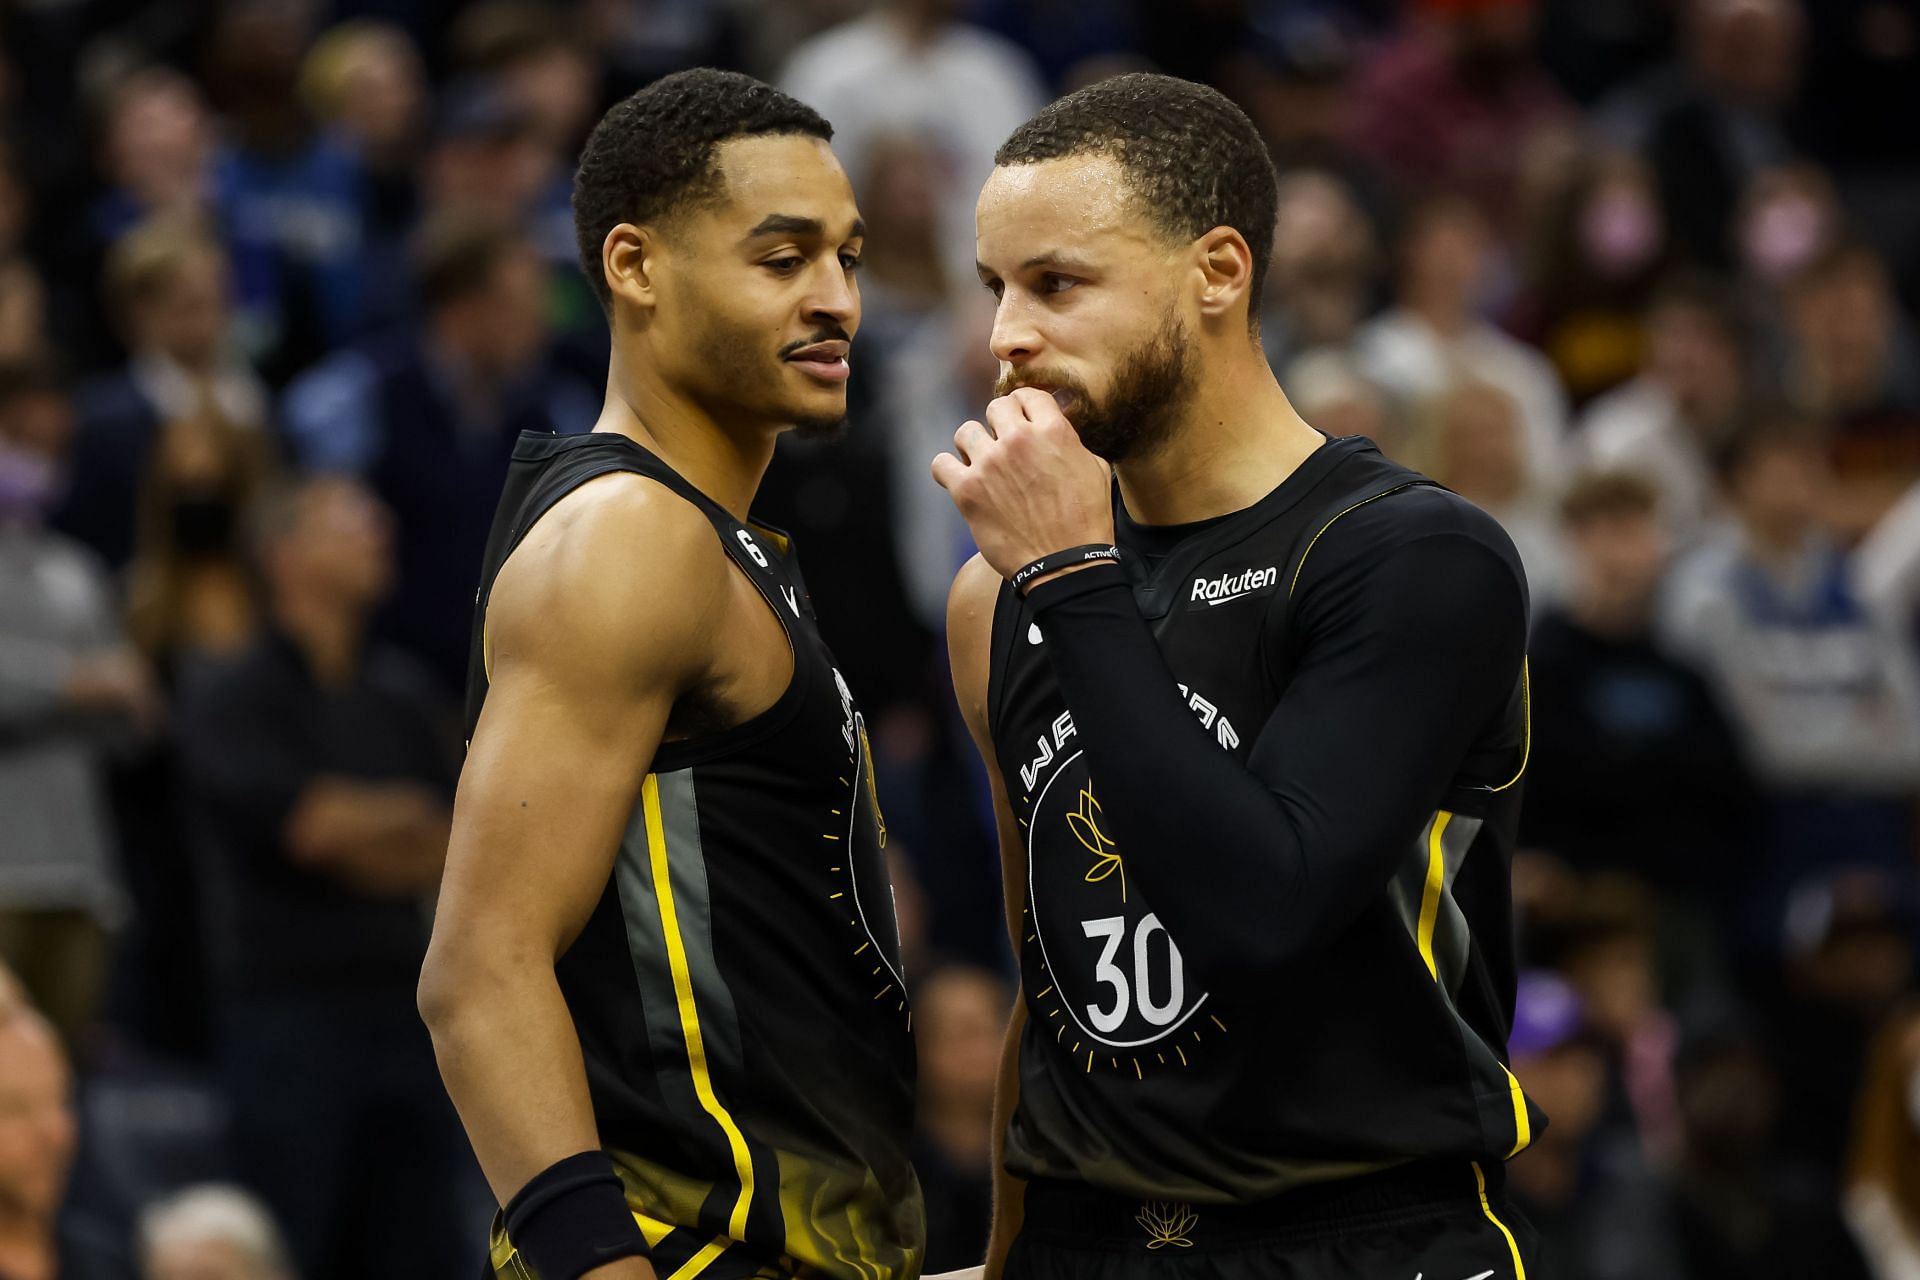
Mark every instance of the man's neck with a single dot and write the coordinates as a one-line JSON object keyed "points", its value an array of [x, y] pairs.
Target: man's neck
{"points": [[26, 1247], [328, 636], [1236, 441], [725, 464]]}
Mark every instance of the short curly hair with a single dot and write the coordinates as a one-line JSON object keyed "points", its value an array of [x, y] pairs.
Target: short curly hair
{"points": [[651, 155], [1193, 159]]}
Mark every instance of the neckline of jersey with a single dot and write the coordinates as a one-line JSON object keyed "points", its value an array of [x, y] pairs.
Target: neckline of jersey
{"points": [[1155, 542]]}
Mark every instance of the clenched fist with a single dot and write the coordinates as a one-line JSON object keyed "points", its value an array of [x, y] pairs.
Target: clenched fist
{"points": [[1025, 484]]}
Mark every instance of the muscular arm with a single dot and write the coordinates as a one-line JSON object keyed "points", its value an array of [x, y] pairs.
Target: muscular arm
{"points": [[969, 641], [1409, 654], [586, 665]]}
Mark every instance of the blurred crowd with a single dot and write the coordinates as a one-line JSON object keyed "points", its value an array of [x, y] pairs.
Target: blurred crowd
{"points": [[280, 280]]}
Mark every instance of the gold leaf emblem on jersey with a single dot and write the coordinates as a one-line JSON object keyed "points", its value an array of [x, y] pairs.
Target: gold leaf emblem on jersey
{"points": [[1084, 822], [1167, 1222], [873, 784]]}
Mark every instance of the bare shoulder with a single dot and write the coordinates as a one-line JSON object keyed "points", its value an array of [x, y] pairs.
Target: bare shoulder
{"points": [[970, 606], [622, 575]]}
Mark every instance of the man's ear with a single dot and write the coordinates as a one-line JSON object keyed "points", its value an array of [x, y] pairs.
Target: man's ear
{"points": [[630, 261], [1225, 264]]}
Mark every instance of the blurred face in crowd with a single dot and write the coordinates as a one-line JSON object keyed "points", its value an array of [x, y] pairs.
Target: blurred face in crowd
{"points": [[961, 1020], [1621, 556], [1323, 258], [1095, 303], [1843, 317], [502, 326], [1482, 454], [1748, 50], [340, 544], [559, 85], [1444, 259], [754, 298], [1779, 491], [1618, 224], [158, 138], [1691, 354], [186, 316], [36, 1118], [383, 93]]}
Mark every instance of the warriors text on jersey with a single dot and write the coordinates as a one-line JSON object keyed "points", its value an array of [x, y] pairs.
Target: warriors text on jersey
{"points": [[737, 990], [1381, 1039]]}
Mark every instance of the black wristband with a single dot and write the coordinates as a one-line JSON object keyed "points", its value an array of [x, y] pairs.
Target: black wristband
{"points": [[573, 1217], [1085, 554]]}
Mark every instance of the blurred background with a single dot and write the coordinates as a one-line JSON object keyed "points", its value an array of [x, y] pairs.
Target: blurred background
{"points": [[281, 279]]}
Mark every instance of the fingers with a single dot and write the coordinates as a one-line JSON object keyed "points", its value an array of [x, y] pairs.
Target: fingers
{"points": [[948, 471], [971, 441]]}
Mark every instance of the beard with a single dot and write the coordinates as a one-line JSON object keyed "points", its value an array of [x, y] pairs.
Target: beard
{"points": [[1141, 410]]}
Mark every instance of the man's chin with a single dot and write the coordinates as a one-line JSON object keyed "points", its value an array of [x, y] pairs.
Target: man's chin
{"points": [[820, 427]]}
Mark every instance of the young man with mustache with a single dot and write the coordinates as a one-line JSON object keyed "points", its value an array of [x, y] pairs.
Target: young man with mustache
{"points": [[1253, 705], [664, 984]]}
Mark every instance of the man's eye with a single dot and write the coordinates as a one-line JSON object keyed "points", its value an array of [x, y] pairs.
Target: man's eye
{"points": [[1051, 283], [789, 263], [850, 261], [993, 287]]}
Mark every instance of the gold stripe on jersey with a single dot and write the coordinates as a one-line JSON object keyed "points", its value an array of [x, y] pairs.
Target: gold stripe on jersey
{"points": [[1436, 881], [689, 1014], [1526, 727]]}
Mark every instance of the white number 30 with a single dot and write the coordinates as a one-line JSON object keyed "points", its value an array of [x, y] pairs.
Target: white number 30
{"points": [[1113, 929]]}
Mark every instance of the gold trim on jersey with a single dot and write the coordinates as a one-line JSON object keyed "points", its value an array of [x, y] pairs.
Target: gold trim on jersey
{"points": [[690, 1022], [1480, 1181]]}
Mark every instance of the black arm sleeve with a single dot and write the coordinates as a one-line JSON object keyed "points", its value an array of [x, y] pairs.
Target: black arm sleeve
{"points": [[1406, 659]]}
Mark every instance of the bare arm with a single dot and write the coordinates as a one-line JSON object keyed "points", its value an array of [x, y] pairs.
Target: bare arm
{"points": [[969, 644], [586, 666]]}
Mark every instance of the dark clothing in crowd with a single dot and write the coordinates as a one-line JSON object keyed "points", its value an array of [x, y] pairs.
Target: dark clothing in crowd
{"points": [[338, 1116], [112, 444], [1635, 767]]}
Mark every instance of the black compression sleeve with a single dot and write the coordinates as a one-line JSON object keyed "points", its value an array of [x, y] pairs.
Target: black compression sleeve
{"points": [[1408, 657]]}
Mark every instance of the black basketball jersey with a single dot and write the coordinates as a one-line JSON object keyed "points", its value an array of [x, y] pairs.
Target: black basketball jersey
{"points": [[738, 989], [1387, 1042]]}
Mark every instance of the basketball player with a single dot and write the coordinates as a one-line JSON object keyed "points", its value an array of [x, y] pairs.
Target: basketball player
{"points": [[1253, 701], [664, 984]]}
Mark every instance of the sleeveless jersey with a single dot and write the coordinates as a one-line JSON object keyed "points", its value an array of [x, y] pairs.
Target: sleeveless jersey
{"points": [[1384, 1044], [738, 989]]}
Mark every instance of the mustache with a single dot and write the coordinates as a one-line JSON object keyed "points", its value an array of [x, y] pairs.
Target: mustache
{"points": [[832, 333]]}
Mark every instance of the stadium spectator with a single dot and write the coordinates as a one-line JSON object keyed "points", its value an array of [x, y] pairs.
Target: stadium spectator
{"points": [[158, 153], [1739, 1207], [363, 81], [430, 416], [1434, 337], [211, 1232], [1614, 715], [960, 1016], [1597, 251], [1325, 384], [1460, 103], [318, 793], [1321, 281], [169, 287], [910, 66], [1859, 365], [1711, 122], [1591, 1198], [1477, 446], [1668, 423], [1846, 958], [70, 688], [37, 1137], [1823, 692]]}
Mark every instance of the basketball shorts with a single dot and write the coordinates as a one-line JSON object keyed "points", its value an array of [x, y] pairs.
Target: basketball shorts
{"points": [[1421, 1222]]}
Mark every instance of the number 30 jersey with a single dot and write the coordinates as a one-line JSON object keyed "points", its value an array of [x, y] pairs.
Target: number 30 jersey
{"points": [[1386, 1042]]}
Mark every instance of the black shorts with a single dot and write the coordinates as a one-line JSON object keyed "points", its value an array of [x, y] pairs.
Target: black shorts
{"points": [[1421, 1222]]}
